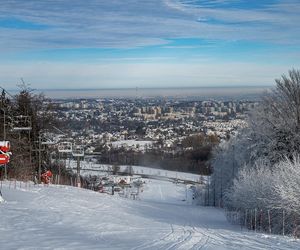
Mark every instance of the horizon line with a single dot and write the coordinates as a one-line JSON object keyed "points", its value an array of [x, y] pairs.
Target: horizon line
{"points": [[134, 88]]}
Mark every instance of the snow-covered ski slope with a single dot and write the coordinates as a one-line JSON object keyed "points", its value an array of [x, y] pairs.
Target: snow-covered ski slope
{"points": [[91, 168], [61, 217]]}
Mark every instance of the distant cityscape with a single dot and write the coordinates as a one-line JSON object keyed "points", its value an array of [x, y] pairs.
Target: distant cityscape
{"points": [[138, 123]]}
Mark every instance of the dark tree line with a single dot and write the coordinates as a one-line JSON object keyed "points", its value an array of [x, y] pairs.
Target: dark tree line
{"points": [[192, 155]]}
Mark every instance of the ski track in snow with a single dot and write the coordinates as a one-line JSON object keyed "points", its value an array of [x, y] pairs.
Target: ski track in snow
{"points": [[62, 217]]}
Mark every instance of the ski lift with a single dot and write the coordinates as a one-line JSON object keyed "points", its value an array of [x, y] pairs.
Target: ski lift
{"points": [[48, 142], [48, 139], [22, 123], [78, 151], [65, 147]]}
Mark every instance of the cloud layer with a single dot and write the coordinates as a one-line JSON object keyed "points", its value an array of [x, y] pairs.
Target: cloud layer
{"points": [[130, 43], [134, 23]]}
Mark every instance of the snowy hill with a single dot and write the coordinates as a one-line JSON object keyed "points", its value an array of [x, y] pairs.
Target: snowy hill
{"points": [[91, 168], [62, 217]]}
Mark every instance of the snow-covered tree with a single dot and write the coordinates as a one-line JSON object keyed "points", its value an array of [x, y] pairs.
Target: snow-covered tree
{"points": [[252, 188], [228, 158], [272, 135], [287, 184], [259, 169], [276, 123], [268, 190]]}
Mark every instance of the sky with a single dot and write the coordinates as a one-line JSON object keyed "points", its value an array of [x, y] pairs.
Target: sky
{"points": [[147, 43]]}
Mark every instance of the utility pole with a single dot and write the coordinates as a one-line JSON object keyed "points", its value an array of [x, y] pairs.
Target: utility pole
{"points": [[233, 161], [40, 149], [78, 172], [208, 187], [4, 127], [221, 201], [3, 106], [59, 170], [78, 151], [4, 138], [40, 158]]}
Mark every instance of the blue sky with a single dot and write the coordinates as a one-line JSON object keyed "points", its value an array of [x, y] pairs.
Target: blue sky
{"points": [[147, 43]]}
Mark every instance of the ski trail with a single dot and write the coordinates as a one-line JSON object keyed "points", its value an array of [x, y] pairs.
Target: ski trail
{"points": [[57, 217], [160, 192], [156, 244]]}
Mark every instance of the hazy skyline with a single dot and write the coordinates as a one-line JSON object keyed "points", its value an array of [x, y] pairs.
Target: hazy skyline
{"points": [[155, 43]]}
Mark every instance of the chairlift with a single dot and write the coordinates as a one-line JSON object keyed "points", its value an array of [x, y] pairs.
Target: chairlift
{"points": [[78, 151], [48, 139], [21, 123], [48, 142], [64, 147]]}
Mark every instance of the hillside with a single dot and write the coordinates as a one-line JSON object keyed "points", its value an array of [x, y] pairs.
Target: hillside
{"points": [[62, 217]]}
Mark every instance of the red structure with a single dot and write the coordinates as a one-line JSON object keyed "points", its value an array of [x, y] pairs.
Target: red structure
{"points": [[4, 159], [4, 152], [46, 177], [4, 146]]}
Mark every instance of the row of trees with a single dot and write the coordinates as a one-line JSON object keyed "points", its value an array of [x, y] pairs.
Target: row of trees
{"points": [[260, 168], [192, 155]]}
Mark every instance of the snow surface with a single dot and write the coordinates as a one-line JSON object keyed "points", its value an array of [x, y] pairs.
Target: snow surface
{"points": [[91, 168], [63, 217]]}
